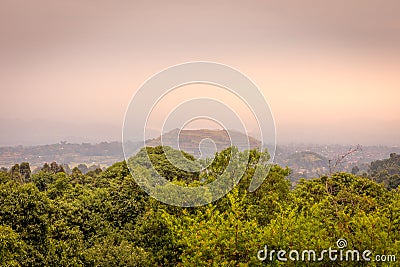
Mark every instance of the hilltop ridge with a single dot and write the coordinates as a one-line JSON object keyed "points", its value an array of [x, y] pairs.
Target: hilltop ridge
{"points": [[191, 140]]}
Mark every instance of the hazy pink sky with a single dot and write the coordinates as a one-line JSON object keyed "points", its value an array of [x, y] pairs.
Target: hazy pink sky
{"points": [[330, 70]]}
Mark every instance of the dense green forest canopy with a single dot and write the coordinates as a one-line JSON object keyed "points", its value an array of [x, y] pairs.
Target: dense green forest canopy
{"points": [[386, 171], [103, 218]]}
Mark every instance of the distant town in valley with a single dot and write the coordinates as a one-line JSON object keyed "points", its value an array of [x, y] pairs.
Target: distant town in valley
{"points": [[304, 160]]}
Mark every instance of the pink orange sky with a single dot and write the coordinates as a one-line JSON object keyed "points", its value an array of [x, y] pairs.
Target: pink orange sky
{"points": [[329, 69]]}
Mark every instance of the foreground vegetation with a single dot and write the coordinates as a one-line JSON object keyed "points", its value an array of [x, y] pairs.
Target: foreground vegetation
{"points": [[103, 218]]}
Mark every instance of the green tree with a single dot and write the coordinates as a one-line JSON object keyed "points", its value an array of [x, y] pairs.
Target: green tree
{"points": [[25, 209], [25, 172], [15, 173], [11, 247]]}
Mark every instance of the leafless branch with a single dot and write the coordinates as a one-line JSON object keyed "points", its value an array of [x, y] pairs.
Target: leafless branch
{"points": [[339, 160]]}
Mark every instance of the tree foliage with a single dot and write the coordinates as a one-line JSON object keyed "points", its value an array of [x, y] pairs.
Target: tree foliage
{"points": [[387, 171], [103, 218]]}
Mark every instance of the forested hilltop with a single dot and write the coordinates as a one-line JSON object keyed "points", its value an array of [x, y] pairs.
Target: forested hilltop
{"points": [[103, 218]]}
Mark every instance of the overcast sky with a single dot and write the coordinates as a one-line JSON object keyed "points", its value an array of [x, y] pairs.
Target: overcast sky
{"points": [[330, 70]]}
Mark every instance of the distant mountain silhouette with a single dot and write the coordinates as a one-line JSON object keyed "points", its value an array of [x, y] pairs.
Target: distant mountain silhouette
{"points": [[204, 142]]}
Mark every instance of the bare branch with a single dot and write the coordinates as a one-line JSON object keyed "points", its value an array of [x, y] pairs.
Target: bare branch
{"points": [[340, 158]]}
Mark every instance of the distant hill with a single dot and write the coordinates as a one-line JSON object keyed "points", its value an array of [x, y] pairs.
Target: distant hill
{"points": [[386, 171], [189, 141], [306, 164], [307, 159], [104, 153]]}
